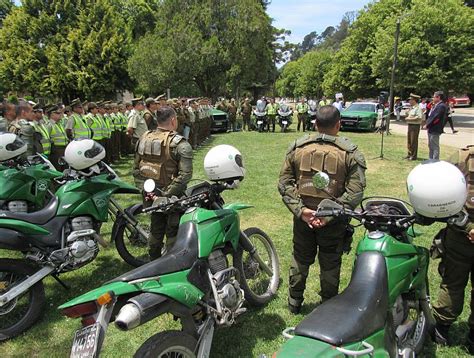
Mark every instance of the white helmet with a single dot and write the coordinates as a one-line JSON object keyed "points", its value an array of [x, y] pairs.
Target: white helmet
{"points": [[83, 153], [437, 189], [224, 162], [11, 146]]}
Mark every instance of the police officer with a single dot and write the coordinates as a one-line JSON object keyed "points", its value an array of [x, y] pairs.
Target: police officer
{"points": [[149, 113], [136, 126], [41, 139], [166, 157], [457, 260], [272, 110], [22, 126], [76, 126], [340, 159], [57, 135], [302, 113], [414, 119]]}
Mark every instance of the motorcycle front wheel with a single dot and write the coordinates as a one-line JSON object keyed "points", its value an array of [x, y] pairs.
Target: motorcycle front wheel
{"points": [[169, 344], [22, 312], [259, 279], [416, 336], [131, 245]]}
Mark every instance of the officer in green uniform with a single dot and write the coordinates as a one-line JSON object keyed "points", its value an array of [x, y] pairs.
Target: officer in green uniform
{"points": [[302, 113], [76, 126], [232, 113], [166, 157], [124, 139], [136, 126], [22, 126], [149, 113], [57, 135], [246, 110], [455, 245], [340, 159], [41, 139]]}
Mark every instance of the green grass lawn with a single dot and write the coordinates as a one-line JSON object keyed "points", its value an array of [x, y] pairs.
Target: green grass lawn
{"points": [[258, 331]]}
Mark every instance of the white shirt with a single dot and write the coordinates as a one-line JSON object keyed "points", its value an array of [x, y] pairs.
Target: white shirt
{"points": [[338, 105]]}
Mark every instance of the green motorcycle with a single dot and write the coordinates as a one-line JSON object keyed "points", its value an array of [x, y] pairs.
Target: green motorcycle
{"points": [[24, 183], [194, 281], [385, 311], [61, 237]]}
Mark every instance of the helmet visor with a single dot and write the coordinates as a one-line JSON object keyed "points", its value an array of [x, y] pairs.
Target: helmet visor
{"points": [[94, 151], [15, 145]]}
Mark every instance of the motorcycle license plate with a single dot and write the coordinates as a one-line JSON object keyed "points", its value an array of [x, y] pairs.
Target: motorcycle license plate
{"points": [[85, 342], [284, 122], [259, 122]]}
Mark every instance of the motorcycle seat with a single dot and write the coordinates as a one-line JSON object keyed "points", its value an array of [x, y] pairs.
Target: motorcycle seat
{"points": [[39, 217], [181, 256], [359, 311]]}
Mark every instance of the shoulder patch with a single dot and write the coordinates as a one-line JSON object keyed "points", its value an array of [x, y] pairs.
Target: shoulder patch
{"points": [[346, 144], [176, 139]]}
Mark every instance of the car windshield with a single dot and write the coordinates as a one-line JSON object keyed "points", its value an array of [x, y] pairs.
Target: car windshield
{"points": [[362, 107]]}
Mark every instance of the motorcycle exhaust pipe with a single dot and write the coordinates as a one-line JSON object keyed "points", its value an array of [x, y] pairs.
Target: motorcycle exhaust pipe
{"points": [[138, 310]]}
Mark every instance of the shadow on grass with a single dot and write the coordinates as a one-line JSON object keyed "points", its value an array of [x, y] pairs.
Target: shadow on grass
{"points": [[252, 327]]}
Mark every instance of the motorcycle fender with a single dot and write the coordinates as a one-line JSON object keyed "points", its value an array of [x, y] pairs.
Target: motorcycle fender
{"points": [[118, 288], [237, 206], [12, 240]]}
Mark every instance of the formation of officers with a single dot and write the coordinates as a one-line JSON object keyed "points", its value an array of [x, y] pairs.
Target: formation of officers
{"points": [[116, 126]]}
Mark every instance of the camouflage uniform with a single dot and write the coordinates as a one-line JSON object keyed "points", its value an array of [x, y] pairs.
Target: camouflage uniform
{"points": [[457, 262], [345, 165], [170, 164]]}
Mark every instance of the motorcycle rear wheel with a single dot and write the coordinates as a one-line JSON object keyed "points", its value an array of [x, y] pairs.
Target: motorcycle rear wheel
{"points": [[168, 344], [258, 287], [21, 313]]}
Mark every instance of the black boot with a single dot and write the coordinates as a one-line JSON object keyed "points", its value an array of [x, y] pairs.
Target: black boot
{"points": [[441, 334], [470, 341], [294, 305]]}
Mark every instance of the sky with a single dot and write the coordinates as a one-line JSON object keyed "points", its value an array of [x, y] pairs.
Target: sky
{"points": [[304, 16]]}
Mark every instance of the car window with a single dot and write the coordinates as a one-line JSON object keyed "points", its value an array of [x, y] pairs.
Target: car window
{"points": [[363, 107]]}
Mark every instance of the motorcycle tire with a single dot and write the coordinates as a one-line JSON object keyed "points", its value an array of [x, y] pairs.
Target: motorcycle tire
{"points": [[31, 303], [417, 340], [249, 269], [131, 246], [168, 344]]}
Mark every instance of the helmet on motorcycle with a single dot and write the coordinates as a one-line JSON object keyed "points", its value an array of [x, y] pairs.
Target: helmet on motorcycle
{"points": [[436, 189], [11, 146], [224, 163], [83, 153]]}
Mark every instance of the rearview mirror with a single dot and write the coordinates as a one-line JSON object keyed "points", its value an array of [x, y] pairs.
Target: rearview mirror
{"points": [[149, 185], [321, 180]]}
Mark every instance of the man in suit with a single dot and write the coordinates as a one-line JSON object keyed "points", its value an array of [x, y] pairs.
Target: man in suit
{"points": [[435, 123]]}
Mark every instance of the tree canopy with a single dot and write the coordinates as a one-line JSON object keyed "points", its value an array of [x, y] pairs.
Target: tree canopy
{"points": [[435, 52]]}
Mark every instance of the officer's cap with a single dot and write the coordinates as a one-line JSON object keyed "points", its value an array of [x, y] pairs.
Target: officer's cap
{"points": [[52, 108], [149, 101], [414, 96], [161, 97], [92, 105], [76, 103], [137, 100]]}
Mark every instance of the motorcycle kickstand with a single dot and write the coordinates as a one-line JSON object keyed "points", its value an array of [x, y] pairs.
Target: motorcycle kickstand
{"points": [[56, 277]]}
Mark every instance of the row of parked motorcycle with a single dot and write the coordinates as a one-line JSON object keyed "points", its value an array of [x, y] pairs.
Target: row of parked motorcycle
{"points": [[284, 116], [206, 279]]}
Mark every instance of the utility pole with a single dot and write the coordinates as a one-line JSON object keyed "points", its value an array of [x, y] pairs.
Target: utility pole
{"points": [[392, 79]]}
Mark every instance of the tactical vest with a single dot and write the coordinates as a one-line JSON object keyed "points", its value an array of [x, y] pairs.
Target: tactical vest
{"points": [[466, 165], [156, 161], [302, 108], [58, 135], [320, 156], [107, 127]]}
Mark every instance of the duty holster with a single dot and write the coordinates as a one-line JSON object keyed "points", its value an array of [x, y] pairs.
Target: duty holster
{"points": [[347, 240], [437, 249]]}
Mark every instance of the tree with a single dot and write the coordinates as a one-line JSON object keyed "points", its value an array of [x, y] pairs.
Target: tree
{"points": [[65, 49], [433, 54], [218, 47], [5, 8], [288, 79], [313, 67]]}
